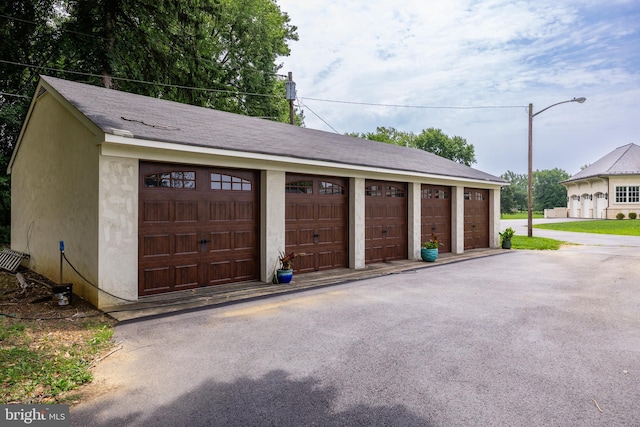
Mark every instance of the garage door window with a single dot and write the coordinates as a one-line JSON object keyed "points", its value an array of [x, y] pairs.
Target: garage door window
{"points": [[299, 187], [374, 190], [177, 179], [480, 196], [229, 183], [395, 192], [329, 188], [467, 195]]}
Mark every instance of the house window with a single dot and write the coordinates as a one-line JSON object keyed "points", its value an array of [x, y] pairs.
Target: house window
{"points": [[299, 187], [630, 194], [331, 188], [177, 179], [224, 182]]}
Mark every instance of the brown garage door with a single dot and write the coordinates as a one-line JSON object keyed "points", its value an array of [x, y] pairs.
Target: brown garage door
{"points": [[436, 215], [317, 221], [198, 226], [385, 221], [476, 218]]}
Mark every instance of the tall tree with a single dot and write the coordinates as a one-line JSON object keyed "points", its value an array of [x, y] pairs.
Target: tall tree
{"points": [[227, 47], [514, 197], [432, 140], [548, 193]]}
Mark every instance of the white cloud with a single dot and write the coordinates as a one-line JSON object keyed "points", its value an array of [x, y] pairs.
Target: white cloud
{"points": [[475, 53]]}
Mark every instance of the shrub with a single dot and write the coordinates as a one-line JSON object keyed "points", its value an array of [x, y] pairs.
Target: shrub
{"points": [[633, 215], [620, 216]]}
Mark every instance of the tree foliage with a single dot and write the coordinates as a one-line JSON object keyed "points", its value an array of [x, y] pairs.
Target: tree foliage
{"points": [[548, 193], [514, 197], [432, 140], [227, 47]]}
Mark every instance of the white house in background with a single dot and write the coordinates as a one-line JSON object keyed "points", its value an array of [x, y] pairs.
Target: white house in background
{"points": [[608, 187], [152, 196]]}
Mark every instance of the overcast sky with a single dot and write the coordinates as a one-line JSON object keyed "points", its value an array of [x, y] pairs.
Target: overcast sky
{"points": [[482, 53]]}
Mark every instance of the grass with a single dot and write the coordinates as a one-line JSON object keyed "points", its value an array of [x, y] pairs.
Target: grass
{"points": [[618, 227], [521, 215], [46, 350], [37, 368], [535, 243]]}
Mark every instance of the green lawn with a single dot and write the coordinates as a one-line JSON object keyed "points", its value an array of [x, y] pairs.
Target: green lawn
{"points": [[535, 243], [521, 215], [626, 227]]}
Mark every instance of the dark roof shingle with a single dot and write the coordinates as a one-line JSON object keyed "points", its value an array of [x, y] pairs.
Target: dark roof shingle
{"points": [[166, 121]]}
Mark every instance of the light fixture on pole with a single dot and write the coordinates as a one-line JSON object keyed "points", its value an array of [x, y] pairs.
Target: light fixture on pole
{"points": [[530, 175]]}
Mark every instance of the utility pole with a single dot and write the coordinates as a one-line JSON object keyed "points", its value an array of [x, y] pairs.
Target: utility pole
{"points": [[291, 96]]}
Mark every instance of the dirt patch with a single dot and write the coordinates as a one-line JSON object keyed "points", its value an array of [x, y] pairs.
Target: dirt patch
{"points": [[47, 329]]}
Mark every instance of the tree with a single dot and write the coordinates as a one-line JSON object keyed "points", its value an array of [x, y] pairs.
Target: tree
{"points": [[228, 48], [548, 193], [514, 197], [432, 140]]}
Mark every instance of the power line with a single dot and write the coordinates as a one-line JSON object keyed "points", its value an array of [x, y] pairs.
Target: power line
{"points": [[315, 114], [233, 92], [434, 107]]}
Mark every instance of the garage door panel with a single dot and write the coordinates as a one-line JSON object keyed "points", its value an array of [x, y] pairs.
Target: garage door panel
{"points": [[436, 214], [476, 218], [220, 211], [155, 211], [317, 221], [386, 223], [185, 243], [186, 276], [156, 245], [244, 240], [198, 222], [157, 279], [185, 211]]}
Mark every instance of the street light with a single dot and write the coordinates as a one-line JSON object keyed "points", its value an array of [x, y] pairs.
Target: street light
{"points": [[531, 116]]}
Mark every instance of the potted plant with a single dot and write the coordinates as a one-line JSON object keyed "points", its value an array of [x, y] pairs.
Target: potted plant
{"points": [[505, 238], [284, 272], [429, 251]]}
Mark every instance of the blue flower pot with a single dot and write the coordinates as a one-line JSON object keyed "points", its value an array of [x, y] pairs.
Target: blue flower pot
{"points": [[429, 255], [284, 276]]}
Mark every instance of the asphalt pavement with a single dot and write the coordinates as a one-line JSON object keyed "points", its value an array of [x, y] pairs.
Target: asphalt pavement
{"points": [[524, 338]]}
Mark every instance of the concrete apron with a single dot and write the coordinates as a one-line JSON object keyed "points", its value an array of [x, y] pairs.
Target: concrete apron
{"points": [[203, 298]]}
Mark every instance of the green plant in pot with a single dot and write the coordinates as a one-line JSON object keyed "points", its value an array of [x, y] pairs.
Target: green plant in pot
{"points": [[506, 236], [429, 250], [284, 272]]}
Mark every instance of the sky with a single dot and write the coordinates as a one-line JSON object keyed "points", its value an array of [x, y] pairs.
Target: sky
{"points": [[471, 68]]}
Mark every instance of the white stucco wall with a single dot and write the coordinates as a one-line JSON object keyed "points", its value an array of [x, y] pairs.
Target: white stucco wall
{"points": [[356, 223], [414, 223], [118, 229], [53, 194], [457, 219], [273, 224]]}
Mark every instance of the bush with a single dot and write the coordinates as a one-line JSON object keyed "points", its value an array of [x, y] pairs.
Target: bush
{"points": [[620, 216], [633, 215]]}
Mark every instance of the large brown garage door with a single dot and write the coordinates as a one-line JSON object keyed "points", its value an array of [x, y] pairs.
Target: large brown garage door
{"points": [[198, 226], [385, 221], [476, 218], [317, 221], [436, 215]]}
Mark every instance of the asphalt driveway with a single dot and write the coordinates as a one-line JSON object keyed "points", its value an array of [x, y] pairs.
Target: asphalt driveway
{"points": [[518, 339]]}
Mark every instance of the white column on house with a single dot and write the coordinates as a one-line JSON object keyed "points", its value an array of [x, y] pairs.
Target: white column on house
{"points": [[414, 220], [457, 219], [356, 223], [494, 218], [272, 226]]}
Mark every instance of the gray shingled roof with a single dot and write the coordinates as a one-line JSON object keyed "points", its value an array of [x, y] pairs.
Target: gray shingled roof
{"points": [[160, 120], [623, 160]]}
